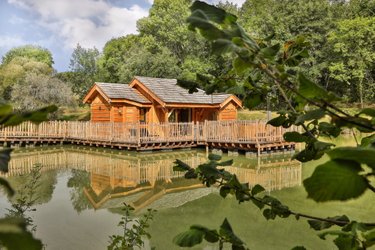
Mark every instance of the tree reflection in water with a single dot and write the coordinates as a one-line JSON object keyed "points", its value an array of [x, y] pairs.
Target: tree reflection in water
{"points": [[22, 204], [77, 182]]}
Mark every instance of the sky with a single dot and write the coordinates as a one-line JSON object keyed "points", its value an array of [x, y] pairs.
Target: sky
{"points": [[59, 25]]}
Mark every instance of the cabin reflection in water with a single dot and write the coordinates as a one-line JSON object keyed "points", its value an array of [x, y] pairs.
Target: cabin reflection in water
{"points": [[144, 178]]}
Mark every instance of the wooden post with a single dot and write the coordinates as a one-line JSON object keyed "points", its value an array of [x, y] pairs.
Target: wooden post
{"points": [[138, 134]]}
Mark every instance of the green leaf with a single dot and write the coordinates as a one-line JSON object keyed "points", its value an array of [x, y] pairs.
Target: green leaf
{"points": [[332, 232], [227, 231], [321, 146], [257, 189], [346, 242], [368, 141], [213, 13], [320, 225], [270, 52], [223, 46], [199, 20], [37, 116], [6, 185], [362, 124], [191, 174], [357, 154], [241, 65], [269, 214], [13, 235], [257, 203], [224, 191], [294, 137], [310, 115], [209, 235], [370, 238], [277, 121], [4, 159], [336, 180], [238, 247], [306, 155], [181, 166], [368, 111], [213, 157], [311, 90], [189, 238], [329, 129], [225, 226], [225, 163]]}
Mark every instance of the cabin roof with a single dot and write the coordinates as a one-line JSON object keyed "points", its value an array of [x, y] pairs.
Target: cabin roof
{"points": [[121, 91], [169, 92]]}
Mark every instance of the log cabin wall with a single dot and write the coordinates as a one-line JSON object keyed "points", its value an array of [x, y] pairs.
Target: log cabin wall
{"points": [[162, 115], [117, 112], [131, 114], [228, 112], [100, 110], [155, 115]]}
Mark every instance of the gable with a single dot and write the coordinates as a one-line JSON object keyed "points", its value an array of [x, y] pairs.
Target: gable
{"points": [[115, 92]]}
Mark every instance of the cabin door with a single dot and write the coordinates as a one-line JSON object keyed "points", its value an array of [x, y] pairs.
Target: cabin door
{"points": [[184, 115], [180, 115]]}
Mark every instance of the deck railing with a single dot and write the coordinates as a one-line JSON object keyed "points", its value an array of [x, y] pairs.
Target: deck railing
{"points": [[135, 133]]}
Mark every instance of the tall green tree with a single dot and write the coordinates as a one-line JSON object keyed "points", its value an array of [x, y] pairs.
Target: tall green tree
{"points": [[353, 58], [114, 57], [83, 64], [286, 19], [15, 71], [142, 62], [166, 25], [37, 91], [32, 52]]}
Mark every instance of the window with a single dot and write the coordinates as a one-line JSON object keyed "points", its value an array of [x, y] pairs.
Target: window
{"points": [[142, 114]]}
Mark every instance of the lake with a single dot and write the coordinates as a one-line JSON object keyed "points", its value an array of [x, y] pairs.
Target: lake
{"points": [[81, 192]]}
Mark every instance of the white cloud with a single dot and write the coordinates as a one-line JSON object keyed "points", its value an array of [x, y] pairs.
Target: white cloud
{"points": [[7, 42], [88, 22]]}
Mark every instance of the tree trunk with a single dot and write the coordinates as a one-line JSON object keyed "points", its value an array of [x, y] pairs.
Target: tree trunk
{"points": [[360, 90]]}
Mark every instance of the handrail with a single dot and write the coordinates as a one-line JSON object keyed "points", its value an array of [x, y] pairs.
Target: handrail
{"points": [[256, 132]]}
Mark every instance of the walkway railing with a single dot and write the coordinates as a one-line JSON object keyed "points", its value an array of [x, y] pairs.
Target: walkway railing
{"points": [[255, 132]]}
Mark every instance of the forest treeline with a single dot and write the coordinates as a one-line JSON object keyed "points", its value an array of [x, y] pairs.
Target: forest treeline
{"points": [[341, 34]]}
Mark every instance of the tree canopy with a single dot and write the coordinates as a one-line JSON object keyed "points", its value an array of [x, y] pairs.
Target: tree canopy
{"points": [[32, 52]]}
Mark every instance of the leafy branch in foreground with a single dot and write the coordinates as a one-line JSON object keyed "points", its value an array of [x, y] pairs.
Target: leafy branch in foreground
{"points": [[133, 230], [360, 235], [259, 67], [14, 233], [197, 233]]}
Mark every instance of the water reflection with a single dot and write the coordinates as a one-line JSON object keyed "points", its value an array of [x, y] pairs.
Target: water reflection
{"points": [[107, 178]]}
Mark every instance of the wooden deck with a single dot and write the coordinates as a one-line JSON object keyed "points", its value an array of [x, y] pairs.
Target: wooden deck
{"points": [[229, 135]]}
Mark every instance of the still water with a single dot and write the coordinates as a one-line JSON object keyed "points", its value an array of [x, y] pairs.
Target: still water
{"points": [[81, 192]]}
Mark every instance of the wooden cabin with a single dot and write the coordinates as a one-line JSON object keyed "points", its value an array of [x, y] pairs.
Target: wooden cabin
{"points": [[156, 100]]}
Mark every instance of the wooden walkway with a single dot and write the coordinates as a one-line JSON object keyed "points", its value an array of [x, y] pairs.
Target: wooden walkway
{"points": [[253, 136]]}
